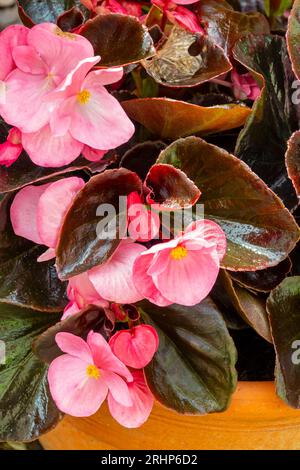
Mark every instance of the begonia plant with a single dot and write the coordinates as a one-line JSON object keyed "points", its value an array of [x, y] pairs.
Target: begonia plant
{"points": [[149, 193]]}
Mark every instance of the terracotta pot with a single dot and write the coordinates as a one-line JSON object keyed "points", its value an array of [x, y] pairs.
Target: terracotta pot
{"points": [[256, 419]]}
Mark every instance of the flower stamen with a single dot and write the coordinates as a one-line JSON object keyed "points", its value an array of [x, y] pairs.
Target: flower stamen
{"points": [[178, 253], [83, 97], [92, 371]]}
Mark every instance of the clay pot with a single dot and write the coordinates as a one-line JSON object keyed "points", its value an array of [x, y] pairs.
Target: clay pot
{"points": [[256, 419]]}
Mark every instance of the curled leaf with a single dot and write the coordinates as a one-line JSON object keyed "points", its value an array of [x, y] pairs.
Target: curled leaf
{"points": [[172, 119], [118, 39], [186, 60], [260, 231]]}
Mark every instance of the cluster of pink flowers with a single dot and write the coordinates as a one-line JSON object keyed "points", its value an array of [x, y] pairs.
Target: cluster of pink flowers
{"points": [[89, 372], [54, 97], [59, 107], [182, 270]]}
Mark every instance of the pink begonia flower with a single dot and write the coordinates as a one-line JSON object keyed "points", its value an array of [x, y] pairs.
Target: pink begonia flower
{"points": [[244, 86], [42, 64], [179, 14], [136, 415], [183, 270], [87, 111], [82, 293], [12, 148], [15, 35], [143, 224], [113, 6], [135, 347], [37, 212], [113, 279], [81, 379]]}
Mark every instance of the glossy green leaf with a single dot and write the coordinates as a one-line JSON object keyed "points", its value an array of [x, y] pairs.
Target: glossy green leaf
{"points": [[186, 60], [118, 39], [284, 310], [193, 370], [83, 244], [141, 157], [37, 11], [251, 307], [260, 231], [171, 119], [263, 280], [26, 408], [170, 188], [263, 141], [24, 281], [292, 160], [225, 25], [293, 37]]}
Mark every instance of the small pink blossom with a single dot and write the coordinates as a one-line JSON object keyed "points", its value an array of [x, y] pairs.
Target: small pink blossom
{"points": [[81, 379], [37, 212], [142, 403], [135, 347], [61, 109], [82, 293], [12, 148], [41, 65], [113, 280], [179, 14], [113, 6], [244, 86], [87, 111], [10, 37], [143, 224], [183, 270]]}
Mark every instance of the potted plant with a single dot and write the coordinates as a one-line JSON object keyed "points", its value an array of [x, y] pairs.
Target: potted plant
{"points": [[149, 241]]}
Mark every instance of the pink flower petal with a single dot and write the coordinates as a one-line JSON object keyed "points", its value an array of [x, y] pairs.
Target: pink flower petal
{"points": [[93, 155], [24, 106], [117, 387], [9, 153], [135, 415], [186, 19], [28, 60], [113, 279], [61, 52], [82, 291], [47, 255], [108, 76], [210, 232], [135, 347], [104, 357], [72, 390], [144, 283], [100, 122], [23, 212], [53, 206], [71, 309], [189, 280], [75, 346], [2, 92], [9, 38], [184, 2], [46, 150]]}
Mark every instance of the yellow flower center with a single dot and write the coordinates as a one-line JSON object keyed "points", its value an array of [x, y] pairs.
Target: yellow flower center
{"points": [[84, 96], [63, 34], [178, 253], [93, 371]]}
